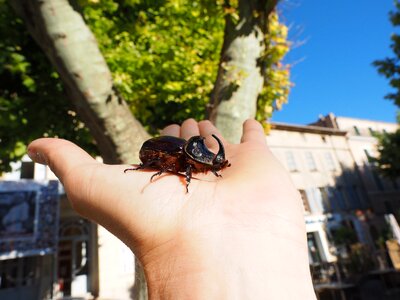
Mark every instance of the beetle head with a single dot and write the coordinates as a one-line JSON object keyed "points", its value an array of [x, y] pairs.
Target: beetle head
{"points": [[197, 150]]}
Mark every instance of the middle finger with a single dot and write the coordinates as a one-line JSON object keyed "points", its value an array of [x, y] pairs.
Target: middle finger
{"points": [[189, 128]]}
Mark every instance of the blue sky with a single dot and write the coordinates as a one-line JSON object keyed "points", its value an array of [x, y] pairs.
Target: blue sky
{"points": [[334, 44]]}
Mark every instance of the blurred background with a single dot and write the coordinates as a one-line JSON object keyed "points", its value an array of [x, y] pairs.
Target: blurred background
{"points": [[322, 78]]}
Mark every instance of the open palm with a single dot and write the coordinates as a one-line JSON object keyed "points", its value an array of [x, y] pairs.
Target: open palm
{"points": [[254, 205]]}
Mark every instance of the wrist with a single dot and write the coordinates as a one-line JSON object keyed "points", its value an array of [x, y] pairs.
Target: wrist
{"points": [[248, 266]]}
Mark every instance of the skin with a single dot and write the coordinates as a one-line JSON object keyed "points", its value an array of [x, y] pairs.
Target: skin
{"points": [[241, 236]]}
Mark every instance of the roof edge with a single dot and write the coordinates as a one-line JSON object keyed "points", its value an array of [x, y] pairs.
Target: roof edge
{"points": [[307, 128]]}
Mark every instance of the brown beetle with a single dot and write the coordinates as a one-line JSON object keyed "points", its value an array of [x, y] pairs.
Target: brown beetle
{"points": [[176, 155]]}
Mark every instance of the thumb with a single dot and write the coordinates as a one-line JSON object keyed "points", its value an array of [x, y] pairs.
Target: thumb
{"points": [[71, 164], [60, 155]]}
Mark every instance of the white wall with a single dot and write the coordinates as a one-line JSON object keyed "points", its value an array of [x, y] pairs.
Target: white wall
{"points": [[116, 267]]}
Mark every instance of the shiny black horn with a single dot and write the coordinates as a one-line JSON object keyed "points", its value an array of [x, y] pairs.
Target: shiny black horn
{"points": [[220, 157]]}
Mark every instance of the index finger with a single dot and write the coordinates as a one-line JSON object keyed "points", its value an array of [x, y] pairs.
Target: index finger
{"points": [[172, 130]]}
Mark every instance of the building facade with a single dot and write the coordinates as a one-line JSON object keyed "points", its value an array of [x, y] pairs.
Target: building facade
{"points": [[321, 167], [89, 262], [362, 142], [345, 199]]}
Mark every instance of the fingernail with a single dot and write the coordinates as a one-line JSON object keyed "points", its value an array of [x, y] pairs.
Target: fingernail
{"points": [[37, 157]]}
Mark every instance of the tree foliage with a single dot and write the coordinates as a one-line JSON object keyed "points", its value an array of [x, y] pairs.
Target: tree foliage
{"points": [[163, 56], [32, 101], [388, 161], [277, 83]]}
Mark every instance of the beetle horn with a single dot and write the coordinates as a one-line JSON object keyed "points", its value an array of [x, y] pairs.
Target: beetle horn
{"points": [[220, 157]]}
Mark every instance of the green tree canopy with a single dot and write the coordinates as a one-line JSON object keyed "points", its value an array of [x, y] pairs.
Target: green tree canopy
{"points": [[32, 100], [388, 161], [163, 56]]}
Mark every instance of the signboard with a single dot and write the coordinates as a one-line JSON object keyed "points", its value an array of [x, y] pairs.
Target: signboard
{"points": [[29, 217]]}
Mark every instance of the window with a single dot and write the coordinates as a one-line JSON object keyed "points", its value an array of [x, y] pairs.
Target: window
{"points": [[313, 249], [20, 272], [27, 169], [325, 199], [329, 161], [310, 162], [305, 201], [356, 130], [369, 156], [351, 197], [378, 181], [290, 161], [334, 201], [354, 197], [73, 251], [342, 198], [371, 131]]}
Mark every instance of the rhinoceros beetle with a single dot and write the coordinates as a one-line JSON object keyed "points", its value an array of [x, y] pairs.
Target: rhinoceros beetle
{"points": [[176, 155]]}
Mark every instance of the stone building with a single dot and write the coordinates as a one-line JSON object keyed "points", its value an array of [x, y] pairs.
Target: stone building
{"points": [[330, 164], [321, 167], [383, 194]]}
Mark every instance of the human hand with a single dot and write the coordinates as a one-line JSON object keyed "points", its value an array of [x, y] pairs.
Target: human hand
{"points": [[241, 236]]}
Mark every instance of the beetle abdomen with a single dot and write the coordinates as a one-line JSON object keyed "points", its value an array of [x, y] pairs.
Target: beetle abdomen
{"points": [[161, 160], [166, 144], [163, 153]]}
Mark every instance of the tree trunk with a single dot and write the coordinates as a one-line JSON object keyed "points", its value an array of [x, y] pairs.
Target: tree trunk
{"points": [[73, 51], [240, 75]]}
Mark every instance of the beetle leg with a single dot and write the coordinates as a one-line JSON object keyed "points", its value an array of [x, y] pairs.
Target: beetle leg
{"points": [[156, 174], [216, 174], [188, 177], [141, 166]]}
